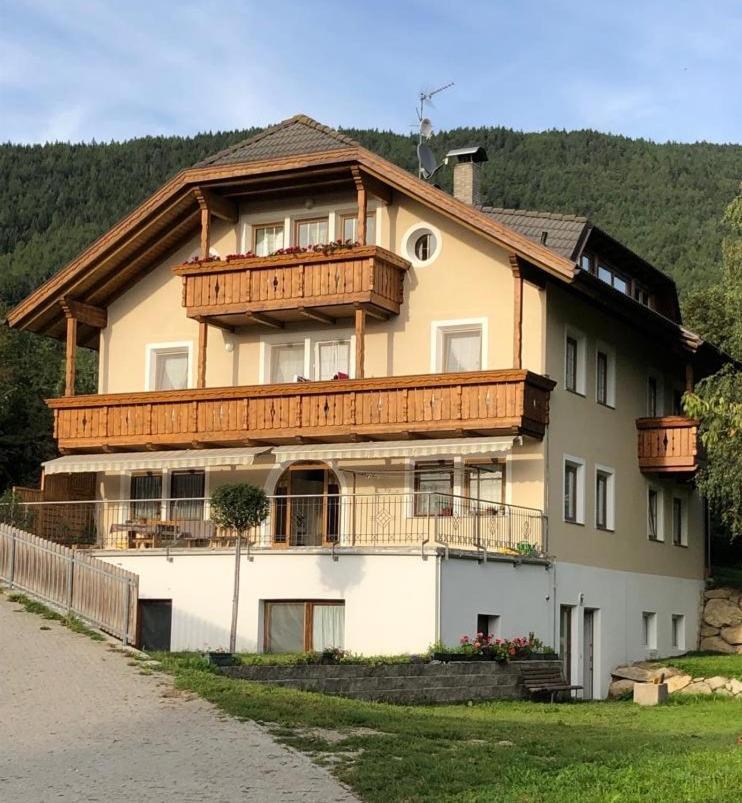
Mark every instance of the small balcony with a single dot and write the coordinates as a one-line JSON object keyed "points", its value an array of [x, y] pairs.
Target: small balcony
{"points": [[668, 445], [426, 405], [271, 291], [331, 521]]}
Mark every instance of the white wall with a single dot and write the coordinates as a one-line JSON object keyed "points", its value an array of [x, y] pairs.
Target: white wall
{"points": [[389, 600]]}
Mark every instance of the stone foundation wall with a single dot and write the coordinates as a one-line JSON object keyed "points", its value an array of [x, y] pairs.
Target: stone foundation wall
{"points": [[398, 683], [721, 621], [624, 678]]}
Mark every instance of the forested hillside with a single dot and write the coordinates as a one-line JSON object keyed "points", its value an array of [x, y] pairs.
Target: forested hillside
{"points": [[665, 201]]}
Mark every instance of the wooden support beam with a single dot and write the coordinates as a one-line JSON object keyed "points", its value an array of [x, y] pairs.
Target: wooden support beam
{"points": [[375, 312], [517, 312], [316, 315], [205, 233], [215, 323], [358, 178], [360, 342], [689, 378], [203, 338], [70, 357], [85, 313], [218, 205], [264, 320]]}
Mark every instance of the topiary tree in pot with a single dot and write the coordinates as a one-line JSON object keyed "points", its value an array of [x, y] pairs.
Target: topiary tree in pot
{"points": [[238, 507]]}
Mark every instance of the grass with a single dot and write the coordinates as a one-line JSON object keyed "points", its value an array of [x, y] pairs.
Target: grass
{"points": [[69, 621], [687, 750], [707, 665]]}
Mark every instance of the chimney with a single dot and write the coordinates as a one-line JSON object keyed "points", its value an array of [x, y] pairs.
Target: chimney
{"points": [[466, 173]]}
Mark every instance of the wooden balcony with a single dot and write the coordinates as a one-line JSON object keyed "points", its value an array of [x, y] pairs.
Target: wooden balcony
{"points": [[428, 405], [273, 290], [668, 445]]}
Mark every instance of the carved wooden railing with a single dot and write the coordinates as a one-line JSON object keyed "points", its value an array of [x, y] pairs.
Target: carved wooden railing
{"points": [[668, 444], [335, 282], [432, 405]]}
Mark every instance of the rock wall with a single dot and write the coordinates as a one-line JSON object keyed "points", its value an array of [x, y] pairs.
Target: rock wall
{"points": [[624, 677], [721, 621]]}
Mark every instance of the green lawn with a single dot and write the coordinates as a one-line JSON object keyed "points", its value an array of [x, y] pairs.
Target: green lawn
{"points": [[707, 665], [568, 753]]}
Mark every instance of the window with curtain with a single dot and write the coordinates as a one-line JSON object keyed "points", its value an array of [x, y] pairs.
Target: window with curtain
{"points": [[146, 492], [570, 364], [311, 232], [333, 357], [653, 513], [286, 361], [169, 369], [462, 350], [485, 482], [267, 239], [602, 377], [570, 492], [601, 500], [350, 228], [186, 494], [303, 626], [433, 488], [678, 522]]}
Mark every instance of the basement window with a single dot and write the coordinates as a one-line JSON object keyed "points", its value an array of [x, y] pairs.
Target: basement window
{"points": [[304, 626]]}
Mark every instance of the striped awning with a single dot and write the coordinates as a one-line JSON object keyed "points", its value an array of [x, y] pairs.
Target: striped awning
{"points": [[155, 461], [438, 448]]}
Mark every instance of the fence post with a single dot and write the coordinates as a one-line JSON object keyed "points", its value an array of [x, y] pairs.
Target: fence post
{"points": [[70, 580], [127, 608], [12, 558]]}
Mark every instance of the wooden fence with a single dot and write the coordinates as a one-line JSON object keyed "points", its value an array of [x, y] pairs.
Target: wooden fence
{"points": [[98, 592]]}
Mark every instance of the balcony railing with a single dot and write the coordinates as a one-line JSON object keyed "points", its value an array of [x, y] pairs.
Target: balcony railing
{"points": [[668, 444], [434, 405], [331, 521], [239, 291]]}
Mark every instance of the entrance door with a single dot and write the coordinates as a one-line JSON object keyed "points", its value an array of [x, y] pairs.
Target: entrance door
{"points": [[307, 508], [588, 668], [155, 624], [565, 641]]}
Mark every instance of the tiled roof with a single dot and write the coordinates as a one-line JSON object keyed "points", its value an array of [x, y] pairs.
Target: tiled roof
{"points": [[297, 135], [563, 233]]}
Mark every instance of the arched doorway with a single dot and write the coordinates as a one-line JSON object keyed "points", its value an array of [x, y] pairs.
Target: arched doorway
{"points": [[307, 506]]}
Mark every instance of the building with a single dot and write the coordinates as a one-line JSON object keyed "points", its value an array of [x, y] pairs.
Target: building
{"points": [[465, 418]]}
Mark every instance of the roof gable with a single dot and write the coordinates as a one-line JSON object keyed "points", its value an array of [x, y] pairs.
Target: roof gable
{"points": [[297, 135], [561, 233]]}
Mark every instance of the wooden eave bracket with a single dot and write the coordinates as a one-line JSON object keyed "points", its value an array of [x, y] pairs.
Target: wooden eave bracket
{"points": [[85, 313], [371, 184], [216, 205]]}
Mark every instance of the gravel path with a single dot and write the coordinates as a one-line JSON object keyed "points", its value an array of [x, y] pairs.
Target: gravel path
{"points": [[77, 723]]}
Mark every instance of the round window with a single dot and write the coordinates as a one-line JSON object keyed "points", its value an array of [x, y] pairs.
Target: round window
{"points": [[422, 245]]}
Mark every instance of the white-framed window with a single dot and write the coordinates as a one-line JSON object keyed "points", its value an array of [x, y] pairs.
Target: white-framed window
{"points": [[679, 521], [655, 509], [332, 359], [312, 232], [287, 362], [649, 630], [349, 228], [677, 624], [605, 496], [575, 348], [168, 366], [312, 357], [267, 238], [573, 484], [421, 244], [605, 375], [459, 345]]}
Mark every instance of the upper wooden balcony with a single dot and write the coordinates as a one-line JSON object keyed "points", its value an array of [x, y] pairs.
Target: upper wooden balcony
{"points": [[273, 290], [428, 405], [668, 445]]}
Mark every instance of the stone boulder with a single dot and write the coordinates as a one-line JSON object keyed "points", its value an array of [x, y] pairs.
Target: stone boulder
{"points": [[716, 682], [735, 686], [697, 687], [677, 682], [637, 674], [732, 634], [707, 630], [722, 613], [620, 688], [717, 593], [716, 644]]}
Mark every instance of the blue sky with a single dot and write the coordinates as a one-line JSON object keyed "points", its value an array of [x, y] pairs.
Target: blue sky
{"points": [[76, 70]]}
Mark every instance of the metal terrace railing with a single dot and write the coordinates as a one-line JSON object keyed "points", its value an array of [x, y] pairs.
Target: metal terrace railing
{"points": [[330, 520]]}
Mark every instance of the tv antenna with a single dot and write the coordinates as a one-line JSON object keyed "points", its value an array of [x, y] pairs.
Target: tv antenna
{"points": [[426, 161]]}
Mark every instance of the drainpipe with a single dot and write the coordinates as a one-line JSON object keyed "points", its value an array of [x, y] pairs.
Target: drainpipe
{"points": [[438, 574]]}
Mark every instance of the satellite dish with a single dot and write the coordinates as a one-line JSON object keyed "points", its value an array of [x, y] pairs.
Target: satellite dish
{"points": [[426, 128], [426, 160]]}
